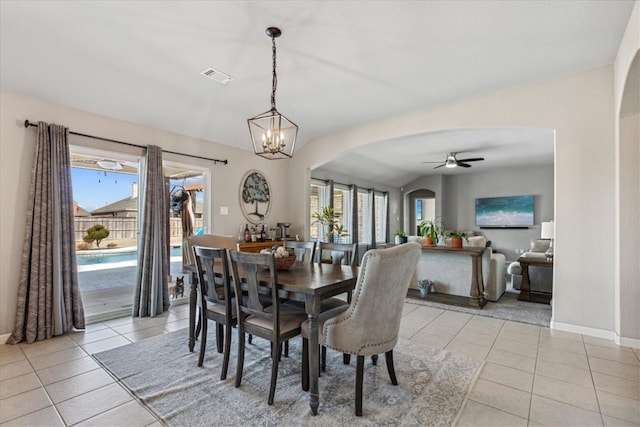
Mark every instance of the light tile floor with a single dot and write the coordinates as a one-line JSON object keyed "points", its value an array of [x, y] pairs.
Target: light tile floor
{"points": [[532, 376]]}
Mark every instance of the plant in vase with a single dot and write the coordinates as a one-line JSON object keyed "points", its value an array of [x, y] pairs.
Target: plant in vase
{"points": [[426, 287], [331, 219], [456, 238], [431, 230], [401, 237]]}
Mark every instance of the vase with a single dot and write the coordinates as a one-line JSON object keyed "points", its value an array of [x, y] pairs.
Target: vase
{"points": [[456, 242], [429, 241], [424, 292]]}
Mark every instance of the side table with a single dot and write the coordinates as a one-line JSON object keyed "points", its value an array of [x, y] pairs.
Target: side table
{"points": [[525, 289]]}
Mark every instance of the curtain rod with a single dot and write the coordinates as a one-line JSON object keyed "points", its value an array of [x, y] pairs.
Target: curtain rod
{"points": [[27, 124]]}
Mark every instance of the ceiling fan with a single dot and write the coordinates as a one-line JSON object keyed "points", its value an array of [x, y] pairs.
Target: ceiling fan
{"points": [[452, 162], [106, 164]]}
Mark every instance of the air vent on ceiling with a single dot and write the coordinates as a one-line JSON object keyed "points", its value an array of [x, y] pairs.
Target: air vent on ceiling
{"points": [[216, 75]]}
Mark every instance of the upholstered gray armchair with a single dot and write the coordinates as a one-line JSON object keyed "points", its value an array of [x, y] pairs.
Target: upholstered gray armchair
{"points": [[371, 323]]}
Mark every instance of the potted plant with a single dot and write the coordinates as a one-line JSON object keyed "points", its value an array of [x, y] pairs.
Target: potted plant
{"points": [[430, 229], [425, 286], [330, 218], [401, 237], [456, 238]]}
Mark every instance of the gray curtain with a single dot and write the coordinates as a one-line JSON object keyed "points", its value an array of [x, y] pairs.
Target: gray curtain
{"points": [[49, 300], [152, 293]]}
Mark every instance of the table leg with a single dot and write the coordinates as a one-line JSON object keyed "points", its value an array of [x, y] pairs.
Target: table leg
{"points": [[477, 287], [525, 285], [314, 363], [193, 297]]}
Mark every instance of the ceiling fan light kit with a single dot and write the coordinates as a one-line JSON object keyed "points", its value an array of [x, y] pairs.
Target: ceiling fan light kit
{"points": [[452, 161], [272, 134]]}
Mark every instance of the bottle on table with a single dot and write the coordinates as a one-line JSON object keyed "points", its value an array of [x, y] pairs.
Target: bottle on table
{"points": [[247, 234]]}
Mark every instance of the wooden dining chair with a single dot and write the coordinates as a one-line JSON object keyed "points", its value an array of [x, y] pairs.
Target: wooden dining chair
{"points": [[305, 251], [339, 253], [276, 322], [216, 300], [370, 325]]}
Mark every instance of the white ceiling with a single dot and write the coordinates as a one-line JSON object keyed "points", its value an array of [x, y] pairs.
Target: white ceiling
{"points": [[340, 63]]}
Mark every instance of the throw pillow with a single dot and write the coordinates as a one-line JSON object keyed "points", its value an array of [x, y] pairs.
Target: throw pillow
{"points": [[539, 245]]}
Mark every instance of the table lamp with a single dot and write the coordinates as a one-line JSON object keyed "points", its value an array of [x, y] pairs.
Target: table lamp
{"points": [[548, 232]]}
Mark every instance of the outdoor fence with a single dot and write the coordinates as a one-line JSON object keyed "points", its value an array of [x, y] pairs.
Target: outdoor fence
{"points": [[123, 228]]}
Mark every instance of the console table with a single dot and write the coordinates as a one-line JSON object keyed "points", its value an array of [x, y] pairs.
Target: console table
{"points": [[476, 290], [525, 288]]}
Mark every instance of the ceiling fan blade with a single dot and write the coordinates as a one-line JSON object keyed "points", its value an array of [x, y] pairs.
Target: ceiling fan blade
{"points": [[475, 159], [429, 162], [439, 166], [464, 165]]}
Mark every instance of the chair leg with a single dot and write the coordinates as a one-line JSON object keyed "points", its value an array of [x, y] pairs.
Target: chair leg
{"points": [[203, 341], [359, 378], [392, 373], [227, 351], [275, 356], [198, 325], [250, 339], [305, 364], [219, 335], [286, 348], [374, 359], [240, 364], [323, 358], [346, 358]]}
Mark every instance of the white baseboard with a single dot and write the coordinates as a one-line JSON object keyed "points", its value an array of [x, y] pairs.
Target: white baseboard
{"points": [[583, 330], [598, 333], [627, 342], [4, 338]]}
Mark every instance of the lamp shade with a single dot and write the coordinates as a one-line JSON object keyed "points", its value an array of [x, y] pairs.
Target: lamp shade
{"points": [[547, 230]]}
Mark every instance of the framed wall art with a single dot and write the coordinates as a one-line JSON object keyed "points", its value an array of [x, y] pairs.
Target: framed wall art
{"points": [[255, 197]]}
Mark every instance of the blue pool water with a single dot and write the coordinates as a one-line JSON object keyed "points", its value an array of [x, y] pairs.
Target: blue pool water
{"points": [[106, 258]]}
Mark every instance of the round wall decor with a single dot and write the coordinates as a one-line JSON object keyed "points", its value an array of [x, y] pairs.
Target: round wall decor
{"points": [[255, 197]]}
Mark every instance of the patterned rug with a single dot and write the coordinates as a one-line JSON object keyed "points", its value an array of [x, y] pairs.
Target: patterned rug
{"points": [[160, 371], [507, 308]]}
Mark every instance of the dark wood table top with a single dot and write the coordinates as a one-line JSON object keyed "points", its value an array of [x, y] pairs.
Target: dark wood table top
{"points": [[316, 279], [471, 250], [542, 261]]}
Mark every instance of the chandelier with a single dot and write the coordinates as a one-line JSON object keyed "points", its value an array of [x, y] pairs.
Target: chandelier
{"points": [[273, 135]]}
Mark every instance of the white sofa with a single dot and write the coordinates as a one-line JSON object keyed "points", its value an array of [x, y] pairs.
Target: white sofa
{"points": [[451, 273]]}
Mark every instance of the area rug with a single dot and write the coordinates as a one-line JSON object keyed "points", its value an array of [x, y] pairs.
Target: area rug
{"points": [[507, 308], [163, 375]]}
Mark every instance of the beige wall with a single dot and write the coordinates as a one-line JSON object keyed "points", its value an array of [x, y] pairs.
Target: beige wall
{"points": [[16, 154], [627, 149], [580, 110]]}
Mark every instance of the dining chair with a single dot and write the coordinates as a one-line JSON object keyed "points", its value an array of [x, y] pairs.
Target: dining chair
{"points": [[370, 325], [340, 253], [276, 322], [208, 241], [305, 251], [216, 300]]}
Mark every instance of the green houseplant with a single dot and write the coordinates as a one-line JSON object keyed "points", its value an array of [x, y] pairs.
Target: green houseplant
{"points": [[332, 220], [431, 229], [456, 238], [400, 237]]}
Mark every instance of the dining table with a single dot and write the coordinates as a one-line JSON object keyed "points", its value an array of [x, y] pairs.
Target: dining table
{"points": [[306, 282]]}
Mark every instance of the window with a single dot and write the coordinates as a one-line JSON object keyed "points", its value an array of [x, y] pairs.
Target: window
{"points": [[364, 212], [364, 216], [342, 205], [319, 197], [380, 216]]}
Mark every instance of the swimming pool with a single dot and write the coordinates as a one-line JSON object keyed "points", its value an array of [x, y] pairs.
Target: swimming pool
{"points": [[83, 258]]}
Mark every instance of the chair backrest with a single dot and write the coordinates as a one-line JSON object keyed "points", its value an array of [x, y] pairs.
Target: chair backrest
{"points": [[341, 253], [210, 287], [371, 323], [305, 251], [209, 241], [254, 269]]}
